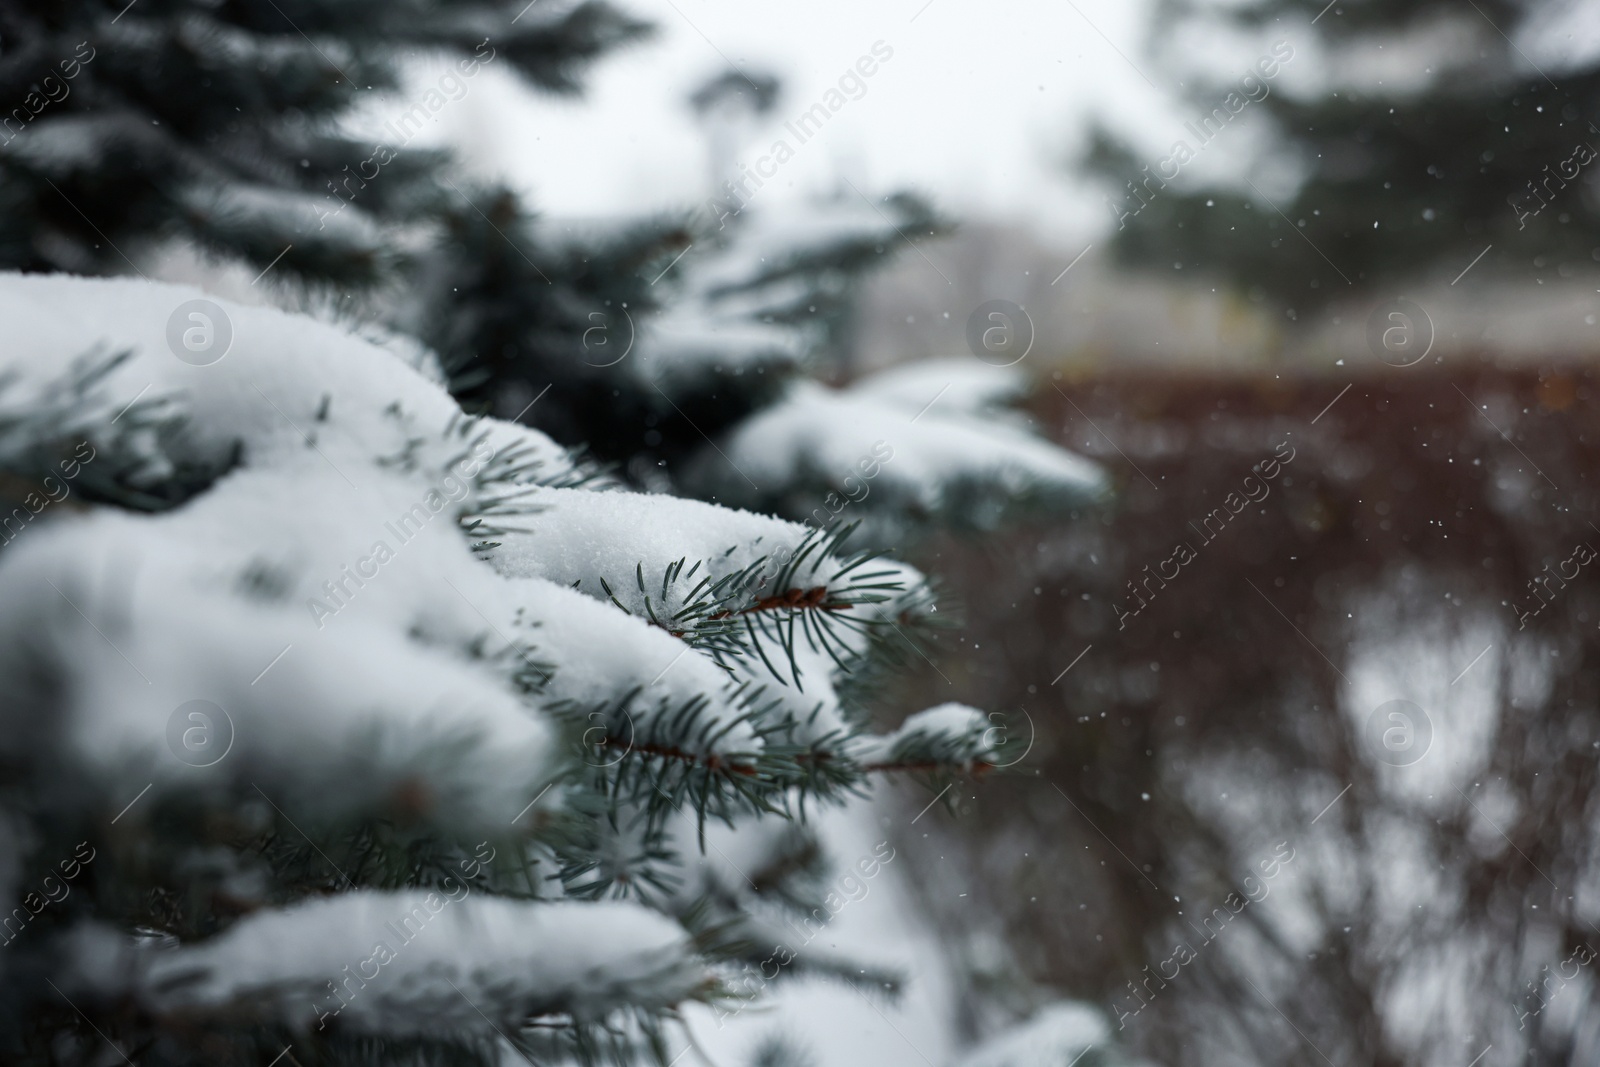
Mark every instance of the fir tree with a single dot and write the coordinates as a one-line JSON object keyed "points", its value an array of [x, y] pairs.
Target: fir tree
{"points": [[391, 668], [648, 340], [353, 718], [1399, 178], [218, 124]]}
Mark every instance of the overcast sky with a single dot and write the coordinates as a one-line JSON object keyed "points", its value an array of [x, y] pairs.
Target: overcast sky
{"points": [[977, 107]]}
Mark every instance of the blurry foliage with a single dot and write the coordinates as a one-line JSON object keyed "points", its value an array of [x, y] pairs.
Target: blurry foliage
{"points": [[218, 123], [1171, 759], [1396, 180]]}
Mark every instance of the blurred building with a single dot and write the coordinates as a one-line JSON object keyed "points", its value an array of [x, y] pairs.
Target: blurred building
{"points": [[1098, 316]]}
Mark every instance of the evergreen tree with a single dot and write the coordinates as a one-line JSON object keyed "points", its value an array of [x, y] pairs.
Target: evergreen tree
{"points": [[1465, 144], [648, 341], [308, 722], [292, 769], [218, 124]]}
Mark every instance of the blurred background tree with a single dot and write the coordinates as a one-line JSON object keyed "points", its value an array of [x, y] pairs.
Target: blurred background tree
{"points": [[1424, 135], [1434, 904], [1189, 712]]}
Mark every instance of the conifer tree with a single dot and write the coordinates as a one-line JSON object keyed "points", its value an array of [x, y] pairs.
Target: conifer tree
{"points": [[495, 694], [1467, 142], [351, 718], [218, 124]]}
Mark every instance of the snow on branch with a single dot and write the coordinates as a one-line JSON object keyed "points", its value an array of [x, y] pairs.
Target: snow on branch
{"points": [[1062, 1032], [450, 619], [947, 736], [690, 346], [958, 386], [729, 582], [57, 424], [436, 962], [945, 466], [207, 612]]}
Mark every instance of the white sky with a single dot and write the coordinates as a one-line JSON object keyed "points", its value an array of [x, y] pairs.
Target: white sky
{"points": [[977, 107]]}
